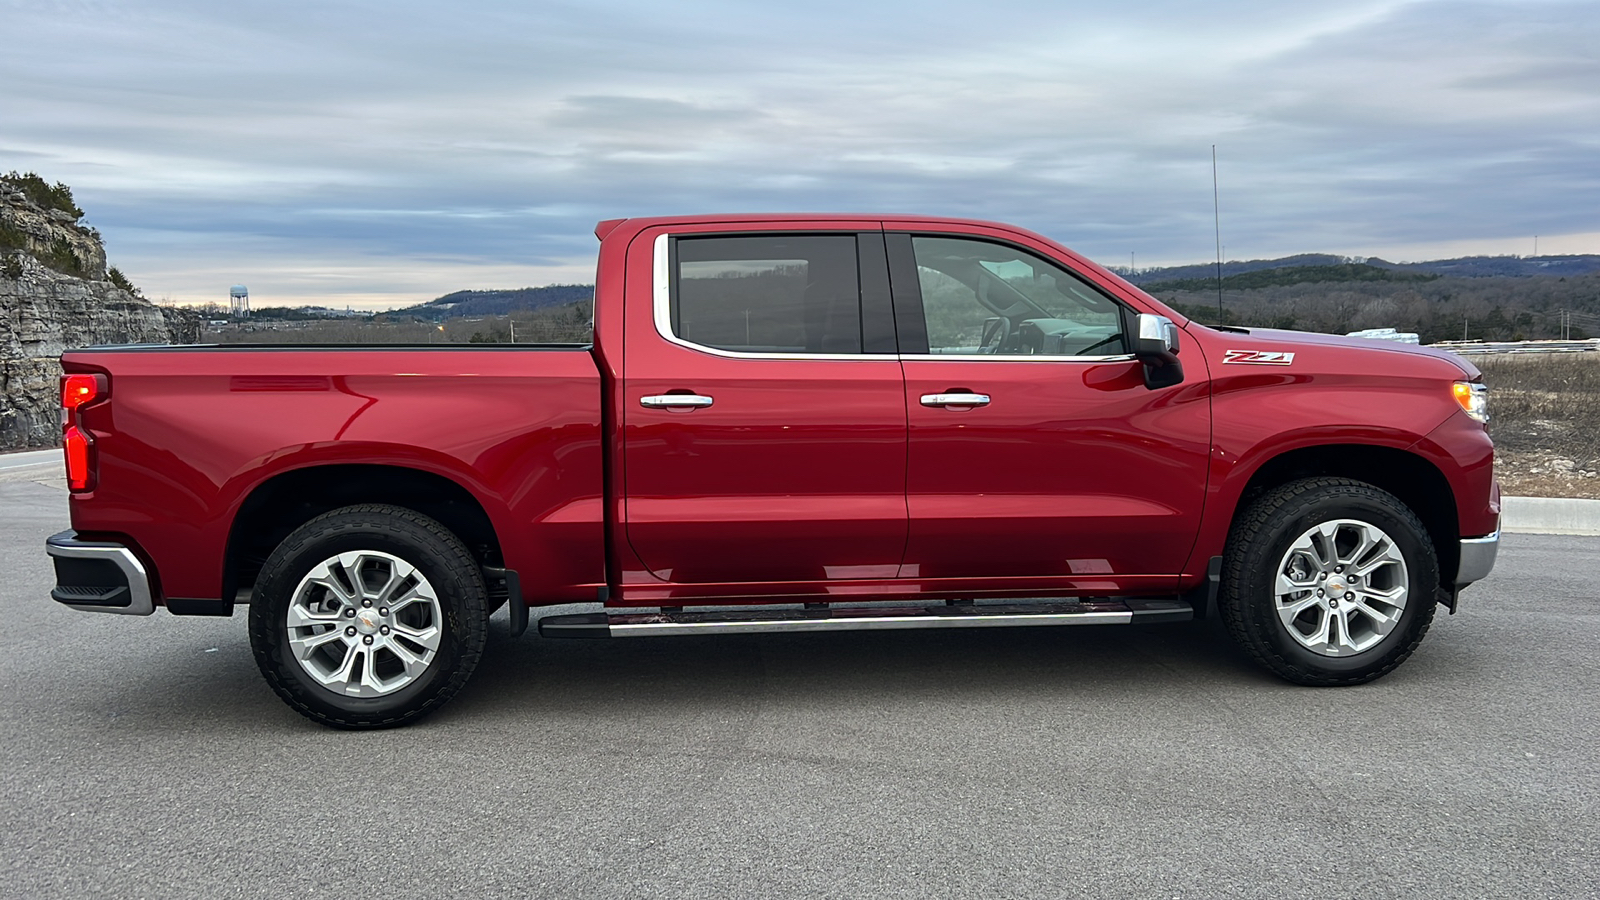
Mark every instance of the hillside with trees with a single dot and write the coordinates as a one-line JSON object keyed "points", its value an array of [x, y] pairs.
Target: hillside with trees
{"points": [[1444, 308], [497, 303], [1466, 266]]}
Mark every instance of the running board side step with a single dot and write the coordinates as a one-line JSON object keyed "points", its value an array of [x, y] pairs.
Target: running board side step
{"points": [[1055, 612]]}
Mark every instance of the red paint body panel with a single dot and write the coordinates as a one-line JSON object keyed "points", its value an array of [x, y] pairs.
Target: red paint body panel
{"points": [[807, 478], [1461, 447], [191, 432], [1073, 468], [795, 473], [1337, 391]]}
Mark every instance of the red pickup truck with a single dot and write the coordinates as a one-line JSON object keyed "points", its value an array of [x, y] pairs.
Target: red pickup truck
{"points": [[784, 423]]}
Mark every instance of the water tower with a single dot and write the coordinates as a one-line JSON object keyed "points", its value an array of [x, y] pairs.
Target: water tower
{"points": [[239, 301]]}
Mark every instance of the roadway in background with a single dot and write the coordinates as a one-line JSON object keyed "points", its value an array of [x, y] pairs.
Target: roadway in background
{"points": [[146, 757], [29, 460]]}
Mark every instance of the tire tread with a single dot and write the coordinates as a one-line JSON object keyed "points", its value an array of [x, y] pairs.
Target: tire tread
{"points": [[1237, 568], [471, 630]]}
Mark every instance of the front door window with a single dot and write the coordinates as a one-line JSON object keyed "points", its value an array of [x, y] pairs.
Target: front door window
{"points": [[986, 298]]}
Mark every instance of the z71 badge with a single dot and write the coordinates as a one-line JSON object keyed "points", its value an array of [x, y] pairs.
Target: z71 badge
{"points": [[1258, 357]]}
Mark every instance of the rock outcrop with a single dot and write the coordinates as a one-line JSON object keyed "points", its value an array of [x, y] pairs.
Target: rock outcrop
{"points": [[55, 294]]}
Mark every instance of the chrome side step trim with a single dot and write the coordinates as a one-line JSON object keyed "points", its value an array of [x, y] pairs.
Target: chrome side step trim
{"points": [[884, 618]]}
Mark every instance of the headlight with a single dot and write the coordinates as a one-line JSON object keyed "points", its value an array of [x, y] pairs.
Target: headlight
{"points": [[1474, 399]]}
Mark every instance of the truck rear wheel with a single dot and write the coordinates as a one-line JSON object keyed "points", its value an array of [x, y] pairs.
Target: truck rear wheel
{"points": [[368, 617], [1329, 581]]}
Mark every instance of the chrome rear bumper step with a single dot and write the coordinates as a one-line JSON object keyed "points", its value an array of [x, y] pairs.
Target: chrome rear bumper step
{"points": [[876, 618], [98, 576]]}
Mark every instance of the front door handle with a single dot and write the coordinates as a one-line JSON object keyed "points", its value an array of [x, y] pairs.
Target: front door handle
{"points": [[956, 399], [675, 401]]}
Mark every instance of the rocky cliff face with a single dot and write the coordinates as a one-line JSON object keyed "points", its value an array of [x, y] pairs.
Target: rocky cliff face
{"points": [[55, 295]]}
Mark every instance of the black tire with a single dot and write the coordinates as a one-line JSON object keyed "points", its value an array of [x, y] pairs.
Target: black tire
{"points": [[1262, 536], [437, 555]]}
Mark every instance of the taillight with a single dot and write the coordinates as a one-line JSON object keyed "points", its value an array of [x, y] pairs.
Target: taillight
{"points": [[78, 391], [76, 444]]}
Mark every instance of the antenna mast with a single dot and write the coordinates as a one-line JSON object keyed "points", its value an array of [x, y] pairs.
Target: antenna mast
{"points": [[1216, 209]]}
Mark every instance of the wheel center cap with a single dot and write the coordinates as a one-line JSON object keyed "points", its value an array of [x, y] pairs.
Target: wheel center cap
{"points": [[368, 620], [1336, 587]]}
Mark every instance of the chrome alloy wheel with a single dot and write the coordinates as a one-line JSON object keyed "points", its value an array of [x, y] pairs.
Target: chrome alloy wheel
{"points": [[364, 623], [1341, 587]]}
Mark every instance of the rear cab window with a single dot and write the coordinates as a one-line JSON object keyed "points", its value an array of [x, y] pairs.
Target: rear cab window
{"points": [[767, 294]]}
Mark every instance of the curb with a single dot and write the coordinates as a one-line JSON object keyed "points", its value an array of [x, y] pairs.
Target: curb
{"points": [[1548, 515]]}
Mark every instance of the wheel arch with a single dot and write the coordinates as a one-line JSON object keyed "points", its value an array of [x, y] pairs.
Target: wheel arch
{"points": [[287, 500], [1412, 479]]}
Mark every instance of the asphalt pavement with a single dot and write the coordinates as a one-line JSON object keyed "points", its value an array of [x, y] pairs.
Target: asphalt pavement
{"points": [[145, 757]]}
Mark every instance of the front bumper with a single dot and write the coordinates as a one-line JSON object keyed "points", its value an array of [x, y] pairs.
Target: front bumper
{"points": [[1477, 558], [99, 576]]}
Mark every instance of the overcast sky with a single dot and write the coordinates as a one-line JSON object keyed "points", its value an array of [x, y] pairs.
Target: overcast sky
{"points": [[388, 152]]}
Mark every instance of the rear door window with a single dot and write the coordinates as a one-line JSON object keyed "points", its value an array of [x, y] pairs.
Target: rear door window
{"points": [[780, 294]]}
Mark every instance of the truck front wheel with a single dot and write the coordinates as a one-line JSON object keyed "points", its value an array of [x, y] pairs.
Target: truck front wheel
{"points": [[1329, 581], [368, 617]]}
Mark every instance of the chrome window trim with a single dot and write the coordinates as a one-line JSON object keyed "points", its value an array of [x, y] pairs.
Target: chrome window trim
{"points": [[663, 317], [662, 295], [998, 357]]}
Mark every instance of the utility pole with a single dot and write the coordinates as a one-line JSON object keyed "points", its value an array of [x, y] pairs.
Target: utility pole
{"points": [[513, 321], [1463, 326]]}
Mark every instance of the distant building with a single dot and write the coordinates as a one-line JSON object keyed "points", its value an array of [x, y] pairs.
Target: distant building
{"points": [[1386, 334]]}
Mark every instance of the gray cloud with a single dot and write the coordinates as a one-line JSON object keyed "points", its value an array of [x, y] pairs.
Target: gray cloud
{"points": [[368, 138]]}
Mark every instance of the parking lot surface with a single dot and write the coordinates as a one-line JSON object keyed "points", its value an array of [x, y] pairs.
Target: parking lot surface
{"points": [[145, 757]]}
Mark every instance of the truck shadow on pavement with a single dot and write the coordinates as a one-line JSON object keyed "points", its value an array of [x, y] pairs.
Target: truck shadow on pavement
{"points": [[692, 675], [535, 679]]}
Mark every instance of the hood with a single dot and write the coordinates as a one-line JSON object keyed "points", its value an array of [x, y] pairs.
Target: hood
{"points": [[1315, 339]]}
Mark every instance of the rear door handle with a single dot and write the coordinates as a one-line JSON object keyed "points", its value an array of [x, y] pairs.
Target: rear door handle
{"points": [[675, 401], [959, 399]]}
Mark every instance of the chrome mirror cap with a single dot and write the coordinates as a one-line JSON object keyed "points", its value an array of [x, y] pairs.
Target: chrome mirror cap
{"points": [[1156, 345], [1158, 336]]}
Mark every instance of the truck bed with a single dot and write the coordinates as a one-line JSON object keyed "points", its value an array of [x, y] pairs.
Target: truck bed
{"points": [[199, 437]]}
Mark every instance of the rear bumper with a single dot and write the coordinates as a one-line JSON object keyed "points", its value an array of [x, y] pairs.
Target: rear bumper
{"points": [[1477, 558], [99, 576]]}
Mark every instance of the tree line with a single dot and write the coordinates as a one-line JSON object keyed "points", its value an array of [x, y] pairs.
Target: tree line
{"points": [[1446, 308]]}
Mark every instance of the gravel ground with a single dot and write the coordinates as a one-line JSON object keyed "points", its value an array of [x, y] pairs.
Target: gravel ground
{"points": [[146, 758]]}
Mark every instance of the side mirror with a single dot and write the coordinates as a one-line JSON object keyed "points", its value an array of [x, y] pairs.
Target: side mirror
{"points": [[1156, 345]]}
